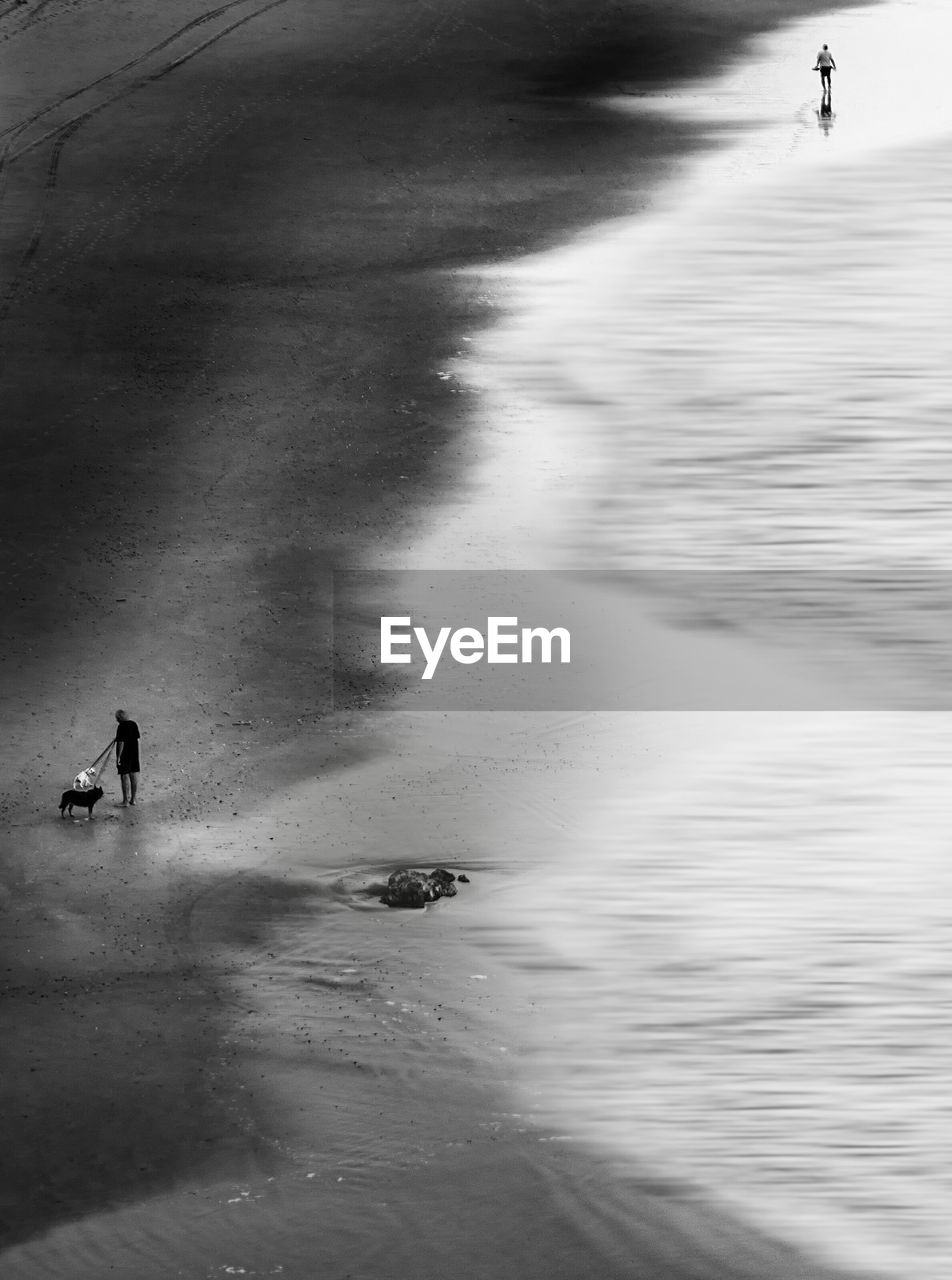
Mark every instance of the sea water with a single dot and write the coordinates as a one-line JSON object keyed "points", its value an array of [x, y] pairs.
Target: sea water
{"points": [[751, 951]]}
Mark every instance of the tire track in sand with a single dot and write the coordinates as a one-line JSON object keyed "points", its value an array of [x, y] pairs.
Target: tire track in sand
{"points": [[61, 133], [409, 35]]}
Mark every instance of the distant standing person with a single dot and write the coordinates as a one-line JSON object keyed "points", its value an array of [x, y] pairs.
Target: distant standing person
{"points": [[127, 756], [825, 65]]}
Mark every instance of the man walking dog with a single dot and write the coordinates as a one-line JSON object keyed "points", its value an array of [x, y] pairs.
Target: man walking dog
{"points": [[127, 756]]}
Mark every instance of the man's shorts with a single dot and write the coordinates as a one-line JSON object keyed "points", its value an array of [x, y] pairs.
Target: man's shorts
{"points": [[825, 73]]}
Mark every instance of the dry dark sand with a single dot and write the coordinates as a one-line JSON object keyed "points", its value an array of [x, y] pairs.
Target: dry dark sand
{"points": [[225, 237]]}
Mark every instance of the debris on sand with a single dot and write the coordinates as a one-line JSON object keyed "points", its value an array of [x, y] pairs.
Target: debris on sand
{"points": [[407, 888]]}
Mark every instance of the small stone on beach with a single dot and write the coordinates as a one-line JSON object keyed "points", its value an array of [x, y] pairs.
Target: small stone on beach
{"points": [[406, 888]]}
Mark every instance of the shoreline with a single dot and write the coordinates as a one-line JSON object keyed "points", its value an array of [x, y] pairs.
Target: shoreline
{"points": [[314, 974], [170, 413], [81, 898], [851, 1229]]}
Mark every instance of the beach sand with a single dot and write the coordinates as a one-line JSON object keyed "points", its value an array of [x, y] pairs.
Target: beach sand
{"points": [[228, 239]]}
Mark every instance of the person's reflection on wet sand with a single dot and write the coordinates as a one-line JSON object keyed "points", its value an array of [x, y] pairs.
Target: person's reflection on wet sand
{"points": [[824, 114]]}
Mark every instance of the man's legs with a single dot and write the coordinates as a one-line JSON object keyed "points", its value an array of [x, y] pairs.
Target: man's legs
{"points": [[133, 786], [124, 782]]}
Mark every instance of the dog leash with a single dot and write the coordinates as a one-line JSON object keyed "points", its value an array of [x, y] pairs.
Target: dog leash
{"points": [[85, 779]]}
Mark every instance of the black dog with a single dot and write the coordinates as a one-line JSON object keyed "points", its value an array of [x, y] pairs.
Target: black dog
{"points": [[85, 799]]}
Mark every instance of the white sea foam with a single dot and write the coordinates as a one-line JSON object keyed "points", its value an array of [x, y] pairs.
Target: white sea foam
{"points": [[754, 375]]}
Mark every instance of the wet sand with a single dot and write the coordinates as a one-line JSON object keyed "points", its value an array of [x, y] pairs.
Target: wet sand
{"points": [[227, 246]]}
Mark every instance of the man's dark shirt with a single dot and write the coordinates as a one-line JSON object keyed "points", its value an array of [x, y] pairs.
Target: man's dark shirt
{"points": [[127, 738]]}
